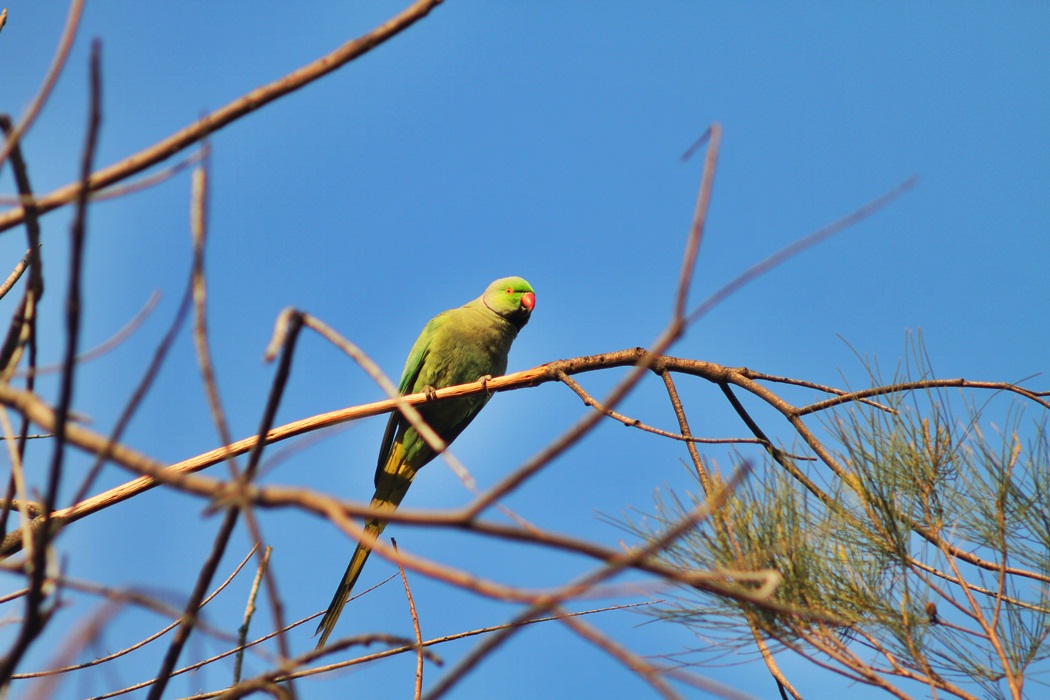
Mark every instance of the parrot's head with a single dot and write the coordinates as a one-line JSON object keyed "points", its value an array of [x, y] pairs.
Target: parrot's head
{"points": [[512, 298]]}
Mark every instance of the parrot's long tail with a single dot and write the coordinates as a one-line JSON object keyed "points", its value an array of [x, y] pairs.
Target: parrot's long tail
{"points": [[391, 485], [342, 594]]}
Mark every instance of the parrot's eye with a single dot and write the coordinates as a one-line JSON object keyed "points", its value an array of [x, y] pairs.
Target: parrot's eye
{"points": [[510, 290]]}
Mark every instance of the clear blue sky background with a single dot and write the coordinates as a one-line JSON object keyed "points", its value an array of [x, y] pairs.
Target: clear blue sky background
{"points": [[539, 139]]}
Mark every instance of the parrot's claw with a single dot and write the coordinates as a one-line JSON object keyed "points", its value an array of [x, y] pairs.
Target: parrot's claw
{"points": [[485, 381], [431, 392]]}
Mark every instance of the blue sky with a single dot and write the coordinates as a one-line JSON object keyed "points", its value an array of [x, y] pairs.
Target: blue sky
{"points": [[538, 139]]}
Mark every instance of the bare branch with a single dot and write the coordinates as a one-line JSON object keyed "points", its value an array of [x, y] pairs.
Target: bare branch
{"points": [[415, 626], [16, 274], [713, 137], [65, 43], [35, 617], [233, 111], [249, 612]]}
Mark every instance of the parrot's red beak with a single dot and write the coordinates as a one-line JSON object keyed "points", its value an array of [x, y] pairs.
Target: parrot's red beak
{"points": [[528, 300]]}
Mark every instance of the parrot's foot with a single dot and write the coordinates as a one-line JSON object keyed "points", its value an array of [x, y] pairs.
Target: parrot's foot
{"points": [[430, 392], [485, 381]]}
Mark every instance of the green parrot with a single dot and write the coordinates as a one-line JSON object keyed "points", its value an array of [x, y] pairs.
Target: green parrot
{"points": [[456, 347]]}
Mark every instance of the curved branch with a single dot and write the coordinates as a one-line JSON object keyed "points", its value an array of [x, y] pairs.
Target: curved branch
{"points": [[259, 97], [65, 43]]}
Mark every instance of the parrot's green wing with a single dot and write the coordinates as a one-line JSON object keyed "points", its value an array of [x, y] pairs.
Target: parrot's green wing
{"points": [[413, 366], [418, 354]]}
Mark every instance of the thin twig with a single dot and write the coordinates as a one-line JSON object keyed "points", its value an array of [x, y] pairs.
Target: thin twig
{"points": [[589, 400], [783, 684], [73, 300], [249, 611], [137, 185], [17, 486], [22, 331], [902, 387], [16, 274], [415, 625], [122, 334], [137, 396], [762, 376], [198, 229], [188, 620], [683, 425], [86, 632], [649, 673], [58, 62], [789, 251], [696, 230], [129, 597]]}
